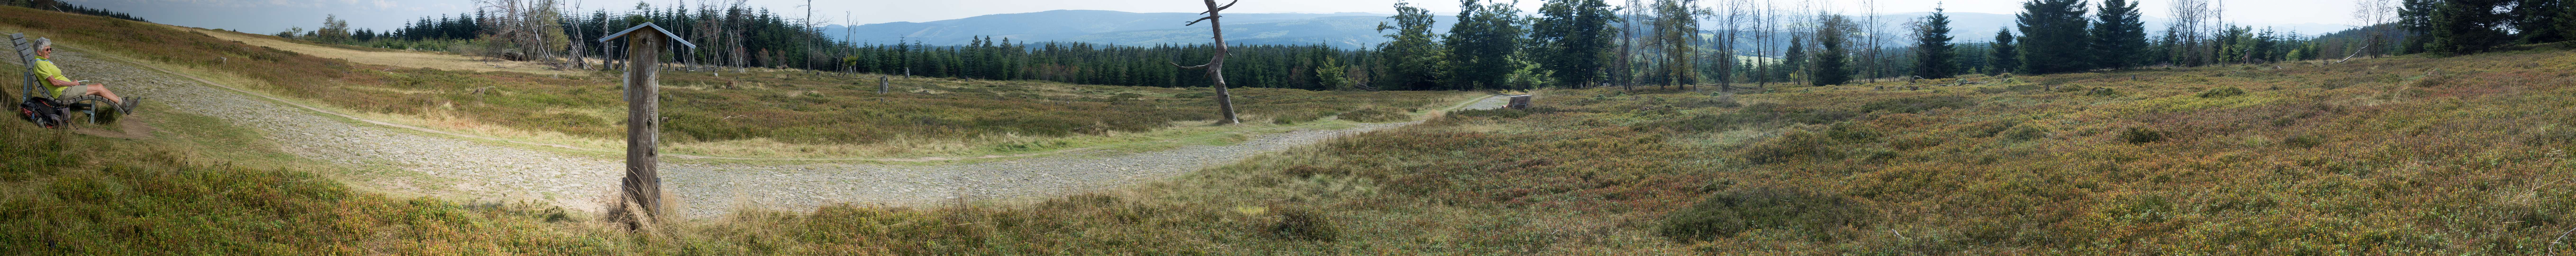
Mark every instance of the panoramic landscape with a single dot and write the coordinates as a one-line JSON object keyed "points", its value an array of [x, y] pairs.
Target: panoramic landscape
{"points": [[1263, 127]]}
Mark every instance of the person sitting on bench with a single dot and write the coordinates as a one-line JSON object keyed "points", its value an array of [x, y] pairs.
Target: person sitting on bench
{"points": [[64, 87]]}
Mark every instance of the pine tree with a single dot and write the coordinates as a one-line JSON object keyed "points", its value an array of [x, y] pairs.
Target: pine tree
{"points": [[2053, 36], [2119, 36], [1934, 56], [2005, 57], [1572, 40]]}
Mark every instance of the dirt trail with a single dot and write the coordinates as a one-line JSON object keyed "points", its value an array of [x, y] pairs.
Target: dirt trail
{"points": [[436, 164]]}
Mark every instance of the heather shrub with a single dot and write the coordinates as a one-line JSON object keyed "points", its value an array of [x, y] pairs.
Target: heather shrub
{"points": [[1735, 210], [2222, 92], [1916, 104], [1374, 115], [2141, 135], [1299, 223], [1794, 145]]}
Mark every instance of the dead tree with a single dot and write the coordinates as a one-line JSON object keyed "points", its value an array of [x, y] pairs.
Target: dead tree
{"points": [[1216, 65]]}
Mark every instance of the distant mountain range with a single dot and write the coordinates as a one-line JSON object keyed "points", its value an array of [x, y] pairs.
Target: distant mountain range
{"points": [[1340, 30]]}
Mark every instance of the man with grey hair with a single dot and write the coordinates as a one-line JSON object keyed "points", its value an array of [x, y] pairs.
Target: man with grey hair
{"points": [[62, 87]]}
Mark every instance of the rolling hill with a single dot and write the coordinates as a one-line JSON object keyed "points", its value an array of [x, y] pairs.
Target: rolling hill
{"points": [[1341, 30]]}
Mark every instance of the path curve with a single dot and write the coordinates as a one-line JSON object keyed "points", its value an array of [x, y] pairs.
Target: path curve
{"points": [[442, 165]]}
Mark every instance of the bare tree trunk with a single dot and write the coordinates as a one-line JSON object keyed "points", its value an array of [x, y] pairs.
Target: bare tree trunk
{"points": [[1216, 65]]}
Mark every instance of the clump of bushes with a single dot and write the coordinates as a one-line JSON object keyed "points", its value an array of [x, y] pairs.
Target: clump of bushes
{"points": [[2222, 92], [1795, 145], [2304, 141], [1374, 115], [2101, 91], [1298, 223], [1736, 210], [2026, 132], [1915, 104], [2142, 135]]}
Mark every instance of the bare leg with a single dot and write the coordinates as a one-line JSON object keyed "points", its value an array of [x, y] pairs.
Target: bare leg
{"points": [[101, 91]]}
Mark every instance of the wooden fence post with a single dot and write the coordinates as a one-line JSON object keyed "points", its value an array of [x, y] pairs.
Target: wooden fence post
{"points": [[643, 183]]}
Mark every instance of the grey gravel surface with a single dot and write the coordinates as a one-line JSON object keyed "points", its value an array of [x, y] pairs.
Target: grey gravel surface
{"points": [[446, 167]]}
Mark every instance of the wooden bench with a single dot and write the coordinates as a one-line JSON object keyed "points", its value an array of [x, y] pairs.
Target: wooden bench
{"points": [[1520, 102], [34, 88]]}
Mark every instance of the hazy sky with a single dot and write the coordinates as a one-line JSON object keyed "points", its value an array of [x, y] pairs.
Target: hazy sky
{"points": [[265, 16]]}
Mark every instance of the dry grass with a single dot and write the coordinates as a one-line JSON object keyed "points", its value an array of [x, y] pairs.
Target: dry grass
{"points": [[2392, 156], [392, 58], [763, 113]]}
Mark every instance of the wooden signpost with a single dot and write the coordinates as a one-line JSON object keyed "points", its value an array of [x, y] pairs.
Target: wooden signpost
{"points": [[642, 186]]}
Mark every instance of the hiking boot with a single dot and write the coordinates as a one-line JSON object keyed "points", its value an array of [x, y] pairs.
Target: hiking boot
{"points": [[127, 107]]}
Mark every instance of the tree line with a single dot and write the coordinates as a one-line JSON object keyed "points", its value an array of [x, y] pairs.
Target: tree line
{"points": [[60, 6], [1565, 43]]}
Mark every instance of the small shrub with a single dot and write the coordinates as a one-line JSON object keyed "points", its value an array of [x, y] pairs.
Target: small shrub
{"points": [[2026, 132], [1915, 104], [2304, 141], [1303, 224], [1787, 147], [1725, 213], [2222, 92], [2142, 135], [1374, 115], [1722, 101], [2102, 91], [1500, 113], [2433, 81], [1303, 171]]}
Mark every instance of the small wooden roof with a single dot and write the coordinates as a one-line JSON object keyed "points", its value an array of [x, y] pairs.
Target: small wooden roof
{"points": [[665, 33]]}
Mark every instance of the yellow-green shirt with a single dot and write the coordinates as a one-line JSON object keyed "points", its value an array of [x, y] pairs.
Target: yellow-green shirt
{"points": [[46, 72]]}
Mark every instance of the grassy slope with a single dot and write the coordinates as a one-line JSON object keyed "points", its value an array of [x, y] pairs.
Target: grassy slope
{"points": [[774, 113], [2401, 155]]}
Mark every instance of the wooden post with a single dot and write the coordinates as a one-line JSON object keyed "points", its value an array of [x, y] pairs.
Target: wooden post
{"points": [[643, 183]]}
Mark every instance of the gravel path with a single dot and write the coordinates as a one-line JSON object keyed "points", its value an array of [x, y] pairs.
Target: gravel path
{"points": [[453, 168]]}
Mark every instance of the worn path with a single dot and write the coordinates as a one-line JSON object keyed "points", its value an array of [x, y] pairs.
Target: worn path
{"points": [[439, 165]]}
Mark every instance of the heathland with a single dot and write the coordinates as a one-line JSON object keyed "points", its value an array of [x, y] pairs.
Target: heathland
{"points": [[2397, 155], [759, 113]]}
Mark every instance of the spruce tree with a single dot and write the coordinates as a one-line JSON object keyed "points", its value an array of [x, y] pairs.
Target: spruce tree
{"points": [[1934, 56], [2054, 38], [2468, 26], [2416, 18], [1831, 60], [1797, 61], [2539, 20], [2119, 36], [2005, 58]]}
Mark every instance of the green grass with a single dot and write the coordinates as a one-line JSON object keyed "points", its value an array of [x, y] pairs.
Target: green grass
{"points": [[2402, 155], [763, 113]]}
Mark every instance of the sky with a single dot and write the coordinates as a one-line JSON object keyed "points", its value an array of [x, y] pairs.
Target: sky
{"points": [[268, 16]]}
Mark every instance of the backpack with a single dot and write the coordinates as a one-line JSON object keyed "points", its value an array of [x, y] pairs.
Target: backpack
{"points": [[43, 112]]}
